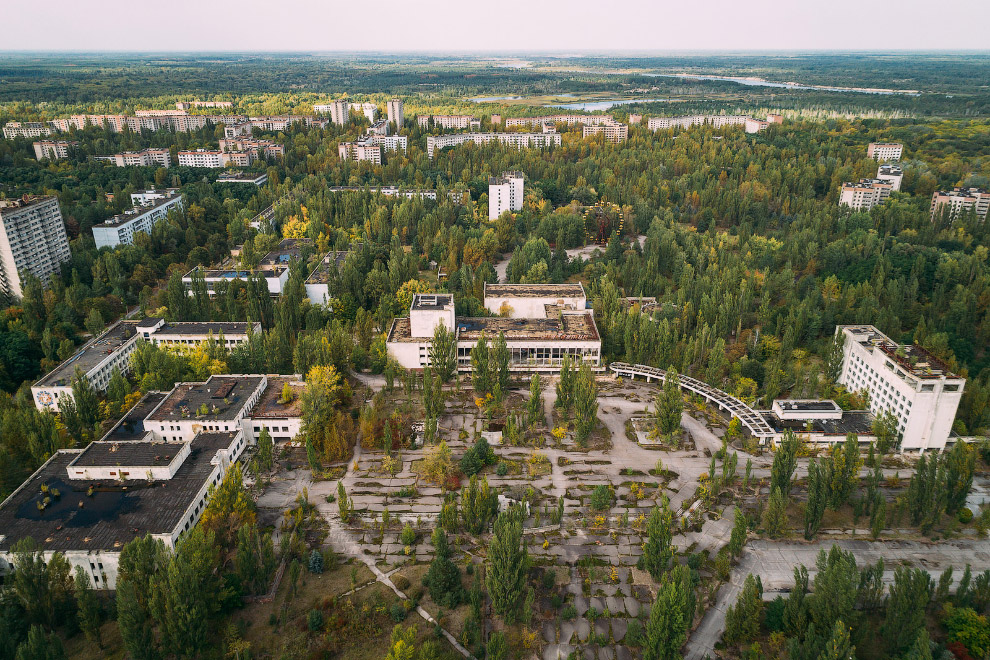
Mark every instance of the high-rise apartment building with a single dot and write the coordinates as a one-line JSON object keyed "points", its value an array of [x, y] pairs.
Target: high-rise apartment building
{"points": [[13, 129], [394, 108], [884, 151], [956, 201], [865, 194], [53, 149], [505, 193], [892, 174], [144, 158], [32, 240], [339, 111], [614, 132]]}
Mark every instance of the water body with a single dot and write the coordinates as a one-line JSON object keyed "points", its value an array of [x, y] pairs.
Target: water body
{"points": [[756, 82], [490, 99], [599, 105]]}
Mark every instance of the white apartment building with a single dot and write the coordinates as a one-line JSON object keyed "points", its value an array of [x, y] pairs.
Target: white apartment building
{"points": [[865, 194], [534, 301], [214, 278], [519, 140], [614, 132], [215, 159], [97, 360], [15, 129], [505, 193], [749, 124], [185, 105], [32, 240], [144, 197], [449, 121], [883, 151], [53, 149], [360, 150], [535, 344], [570, 120], [120, 229], [144, 158], [339, 111], [907, 381], [241, 143], [394, 109], [891, 174], [380, 127], [958, 200], [370, 110]]}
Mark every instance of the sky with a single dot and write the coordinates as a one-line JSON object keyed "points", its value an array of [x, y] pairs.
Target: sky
{"points": [[492, 25]]}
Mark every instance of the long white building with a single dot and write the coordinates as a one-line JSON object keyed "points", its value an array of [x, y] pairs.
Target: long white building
{"points": [[907, 381], [505, 193], [449, 121], [749, 124], [32, 240], [151, 208], [143, 158], [519, 140], [215, 159], [534, 301], [14, 129]]}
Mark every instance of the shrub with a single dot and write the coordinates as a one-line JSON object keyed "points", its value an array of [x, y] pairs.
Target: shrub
{"points": [[397, 612], [601, 498], [401, 582], [965, 515], [568, 613], [408, 536], [549, 579], [502, 469], [315, 562], [634, 633], [314, 620]]}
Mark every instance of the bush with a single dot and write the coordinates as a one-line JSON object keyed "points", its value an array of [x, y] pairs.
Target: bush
{"points": [[601, 498], [314, 620], [397, 612], [568, 613], [634, 633], [315, 562], [408, 536], [401, 582], [965, 515], [502, 469], [549, 579]]}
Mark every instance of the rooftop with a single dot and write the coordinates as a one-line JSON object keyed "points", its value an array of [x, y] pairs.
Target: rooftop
{"points": [[432, 301], [321, 274], [575, 290], [128, 454], [568, 327], [241, 176], [115, 513], [223, 396], [131, 425], [140, 210], [268, 406], [287, 250], [808, 405], [859, 422], [913, 359], [91, 354], [24, 202], [204, 328]]}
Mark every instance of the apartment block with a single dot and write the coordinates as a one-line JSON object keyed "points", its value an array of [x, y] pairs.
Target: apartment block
{"points": [[959, 200], [519, 140], [904, 380], [891, 174], [269, 148], [378, 128], [449, 121], [191, 333], [884, 151], [865, 194], [749, 124], [570, 120], [614, 132], [53, 149], [15, 129], [394, 109], [144, 158], [32, 240], [120, 229], [339, 111], [505, 193], [215, 159], [360, 150]]}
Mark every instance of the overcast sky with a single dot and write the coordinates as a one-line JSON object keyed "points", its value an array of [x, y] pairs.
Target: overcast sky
{"points": [[543, 25]]}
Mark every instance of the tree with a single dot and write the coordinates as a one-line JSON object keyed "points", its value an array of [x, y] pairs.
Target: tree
{"points": [[601, 497], [443, 353], [784, 463], [845, 465], [666, 631], [498, 648], [315, 564], [968, 628], [907, 603], [229, 509], [443, 578], [565, 385], [742, 620], [139, 563], [833, 357], [959, 465], [534, 408], [817, 498], [836, 588], [479, 505], [500, 357], [796, 614], [481, 365], [40, 646], [839, 647], [90, 613], [775, 515], [669, 403], [921, 649], [738, 536], [507, 565], [585, 404], [265, 456], [343, 504], [658, 550], [254, 559], [42, 587], [94, 322], [885, 428], [878, 516], [437, 464]]}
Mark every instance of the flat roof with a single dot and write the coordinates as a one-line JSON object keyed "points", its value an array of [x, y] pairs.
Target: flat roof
{"points": [[204, 328], [432, 301], [570, 290], [915, 360], [807, 405], [224, 397], [321, 274], [859, 422], [91, 354], [268, 406], [131, 425], [128, 454], [568, 327], [116, 513], [137, 211], [285, 251]]}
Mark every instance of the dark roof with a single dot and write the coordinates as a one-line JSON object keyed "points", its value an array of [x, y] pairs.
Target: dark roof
{"points": [[185, 400], [204, 328], [128, 454], [852, 421], [115, 514], [131, 425], [432, 301], [91, 354]]}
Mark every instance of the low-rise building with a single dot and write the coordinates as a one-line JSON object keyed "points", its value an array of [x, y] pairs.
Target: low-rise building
{"points": [[505, 193], [820, 422], [537, 301], [282, 417], [907, 381], [120, 229], [217, 405], [54, 149], [254, 178], [158, 331], [891, 174], [214, 278], [959, 200], [360, 150], [865, 194], [884, 151], [518, 140]]}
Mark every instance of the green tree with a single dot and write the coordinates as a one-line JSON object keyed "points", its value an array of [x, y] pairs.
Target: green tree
{"points": [[833, 357], [138, 565], [498, 648], [94, 322], [89, 610], [343, 503], [479, 505], [959, 465], [738, 536], [443, 578], [42, 587], [666, 631], [921, 649], [968, 628], [878, 516], [818, 498], [742, 620], [265, 456], [443, 353], [839, 647], [565, 385], [500, 357], [784, 463], [534, 408], [669, 403], [775, 515], [481, 364], [40, 646], [507, 565], [658, 549], [907, 603], [836, 589], [585, 404], [845, 465], [885, 428], [795, 617]]}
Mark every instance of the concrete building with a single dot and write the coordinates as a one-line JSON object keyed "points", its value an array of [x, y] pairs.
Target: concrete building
{"points": [[339, 111], [144, 158], [370, 110], [120, 229], [534, 301], [380, 127], [505, 193], [269, 148], [53, 149], [394, 108], [635, 119], [614, 132], [190, 333], [318, 283], [820, 422], [519, 140], [535, 344], [891, 174], [215, 278], [748, 124], [253, 178], [215, 159], [884, 151], [218, 405], [449, 121], [570, 120], [865, 194], [360, 150], [32, 240], [97, 360], [185, 105], [29, 129], [958, 200], [907, 381]]}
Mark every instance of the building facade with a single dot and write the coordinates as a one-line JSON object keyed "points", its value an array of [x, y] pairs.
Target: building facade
{"points": [[865, 194], [32, 240], [614, 132], [449, 121], [147, 212], [505, 193], [53, 149], [914, 386], [959, 200], [534, 301], [394, 109], [884, 151], [749, 124], [519, 140], [891, 174], [28, 129], [215, 159]]}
